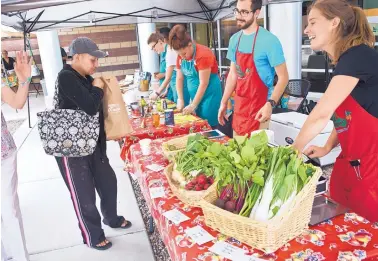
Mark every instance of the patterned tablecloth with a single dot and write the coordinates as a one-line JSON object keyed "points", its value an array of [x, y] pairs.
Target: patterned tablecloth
{"points": [[344, 238], [150, 132]]}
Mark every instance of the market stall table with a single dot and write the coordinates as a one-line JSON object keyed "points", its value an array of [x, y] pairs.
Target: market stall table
{"points": [[346, 237], [150, 132]]}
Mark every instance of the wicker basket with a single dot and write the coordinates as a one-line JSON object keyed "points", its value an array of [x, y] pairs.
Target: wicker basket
{"points": [[189, 197], [178, 142], [265, 236]]}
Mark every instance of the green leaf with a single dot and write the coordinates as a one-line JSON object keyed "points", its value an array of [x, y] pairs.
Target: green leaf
{"points": [[235, 156], [302, 173], [275, 210], [248, 154], [240, 139], [258, 140], [258, 179], [216, 148], [247, 175], [310, 171]]}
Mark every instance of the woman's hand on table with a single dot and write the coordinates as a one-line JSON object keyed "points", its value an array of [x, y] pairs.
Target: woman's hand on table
{"points": [[316, 152], [164, 94], [154, 96], [159, 76], [190, 109], [180, 105]]}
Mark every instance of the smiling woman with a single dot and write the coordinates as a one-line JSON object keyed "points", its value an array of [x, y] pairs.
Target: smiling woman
{"points": [[351, 101]]}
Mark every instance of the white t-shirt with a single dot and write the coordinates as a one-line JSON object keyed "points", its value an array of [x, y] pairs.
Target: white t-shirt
{"points": [[171, 58]]}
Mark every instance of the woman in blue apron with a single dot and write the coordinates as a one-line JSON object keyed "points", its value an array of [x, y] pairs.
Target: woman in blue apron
{"points": [[167, 87], [198, 64]]}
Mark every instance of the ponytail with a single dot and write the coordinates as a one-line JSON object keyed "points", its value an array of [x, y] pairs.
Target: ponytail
{"points": [[361, 28], [354, 28]]}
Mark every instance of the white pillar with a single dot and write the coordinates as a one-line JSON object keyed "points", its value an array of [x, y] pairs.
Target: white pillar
{"points": [[285, 21], [49, 49], [149, 59]]}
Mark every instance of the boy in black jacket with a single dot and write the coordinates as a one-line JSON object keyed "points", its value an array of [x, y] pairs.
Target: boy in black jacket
{"points": [[84, 175]]}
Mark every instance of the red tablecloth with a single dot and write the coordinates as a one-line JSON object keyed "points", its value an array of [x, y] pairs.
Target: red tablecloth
{"points": [[150, 132], [345, 238]]}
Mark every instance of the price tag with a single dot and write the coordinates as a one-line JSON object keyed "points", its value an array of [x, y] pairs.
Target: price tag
{"points": [[175, 216], [227, 250], [157, 192], [155, 167], [199, 235]]}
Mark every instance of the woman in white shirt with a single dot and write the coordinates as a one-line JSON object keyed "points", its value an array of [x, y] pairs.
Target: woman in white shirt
{"points": [[158, 43], [13, 238]]}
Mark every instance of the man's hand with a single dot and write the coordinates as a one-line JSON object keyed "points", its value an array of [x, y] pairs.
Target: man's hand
{"points": [[98, 82], [180, 104], [264, 113], [222, 114]]}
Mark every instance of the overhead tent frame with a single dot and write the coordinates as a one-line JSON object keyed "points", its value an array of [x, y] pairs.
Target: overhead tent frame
{"points": [[28, 26]]}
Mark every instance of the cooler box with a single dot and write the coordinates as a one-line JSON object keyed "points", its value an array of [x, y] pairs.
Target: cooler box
{"points": [[286, 127]]}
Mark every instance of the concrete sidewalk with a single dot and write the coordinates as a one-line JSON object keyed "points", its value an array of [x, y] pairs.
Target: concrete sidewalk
{"points": [[52, 233]]}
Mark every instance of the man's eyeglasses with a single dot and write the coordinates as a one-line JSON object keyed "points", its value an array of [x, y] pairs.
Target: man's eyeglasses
{"points": [[242, 13], [153, 47]]}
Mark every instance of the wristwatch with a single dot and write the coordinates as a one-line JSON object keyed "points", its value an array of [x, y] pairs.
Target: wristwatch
{"points": [[273, 103]]}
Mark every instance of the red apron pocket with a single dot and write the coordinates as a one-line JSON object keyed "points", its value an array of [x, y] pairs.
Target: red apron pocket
{"points": [[365, 191], [357, 188], [341, 182], [242, 106]]}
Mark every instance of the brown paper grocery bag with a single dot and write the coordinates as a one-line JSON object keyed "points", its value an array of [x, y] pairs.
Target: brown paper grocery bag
{"points": [[117, 123]]}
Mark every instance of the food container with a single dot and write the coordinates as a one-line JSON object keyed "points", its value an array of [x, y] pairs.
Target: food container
{"points": [[169, 117]]}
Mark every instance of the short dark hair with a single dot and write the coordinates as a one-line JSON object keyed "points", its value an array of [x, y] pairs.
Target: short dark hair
{"points": [[165, 32], [255, 4]]}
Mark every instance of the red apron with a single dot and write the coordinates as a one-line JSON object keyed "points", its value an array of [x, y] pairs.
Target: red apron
{"points": [[354, 180], [250, 94]]}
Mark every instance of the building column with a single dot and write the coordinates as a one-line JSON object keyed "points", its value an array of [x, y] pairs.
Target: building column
{"points": [[52, 64], [285, 21], [148, 58]]}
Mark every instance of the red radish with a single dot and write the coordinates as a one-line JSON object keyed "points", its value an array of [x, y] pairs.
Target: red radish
{"points": [[210, 180], [198, 187], [220, 203], [230, 206], [194, 181], [189, 186], [206, 186], [202, 180]]}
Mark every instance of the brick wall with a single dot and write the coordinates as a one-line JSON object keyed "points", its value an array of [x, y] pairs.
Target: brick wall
{"points": [[119, 40]]}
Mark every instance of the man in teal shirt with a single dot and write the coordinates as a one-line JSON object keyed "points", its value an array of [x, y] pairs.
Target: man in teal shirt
{"points": [[254, 62]]}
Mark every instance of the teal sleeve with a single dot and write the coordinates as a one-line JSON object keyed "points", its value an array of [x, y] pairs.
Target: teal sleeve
{"points": [[231, 53], [275, 52]]}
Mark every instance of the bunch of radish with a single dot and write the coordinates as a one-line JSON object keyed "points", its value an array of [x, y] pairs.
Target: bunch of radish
{"points": [[199, 183]]}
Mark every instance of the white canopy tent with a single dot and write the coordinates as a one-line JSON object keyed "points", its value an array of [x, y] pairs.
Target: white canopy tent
{"points": [[39, 15], [55, 14]]}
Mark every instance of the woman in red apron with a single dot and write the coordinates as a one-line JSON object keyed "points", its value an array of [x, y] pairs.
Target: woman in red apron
{"points": [[351, 101]]}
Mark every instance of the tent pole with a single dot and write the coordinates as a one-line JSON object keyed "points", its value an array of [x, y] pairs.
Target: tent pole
{"points": [[213, 35], [24, 27]]}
